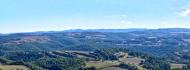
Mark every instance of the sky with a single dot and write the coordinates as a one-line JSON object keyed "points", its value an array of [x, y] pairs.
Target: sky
{"points": [[57, 15]]}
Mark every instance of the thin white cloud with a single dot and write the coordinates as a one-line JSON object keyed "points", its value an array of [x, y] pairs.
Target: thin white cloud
{"points": [[126, 22], [122, 21], [185, 12]]}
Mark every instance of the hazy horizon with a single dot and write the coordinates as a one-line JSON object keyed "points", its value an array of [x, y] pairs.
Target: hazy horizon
{"points": [[88, 29], [57, 15]]}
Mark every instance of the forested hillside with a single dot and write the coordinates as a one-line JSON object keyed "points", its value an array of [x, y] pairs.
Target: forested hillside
{"points": [[147, 49]]}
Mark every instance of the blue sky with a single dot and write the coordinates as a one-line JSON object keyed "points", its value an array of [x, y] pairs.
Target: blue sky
{"points": [[47, 15]]}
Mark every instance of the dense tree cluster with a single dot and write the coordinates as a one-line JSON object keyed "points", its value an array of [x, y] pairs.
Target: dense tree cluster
{"points": [[106, 54], [60, 63]]}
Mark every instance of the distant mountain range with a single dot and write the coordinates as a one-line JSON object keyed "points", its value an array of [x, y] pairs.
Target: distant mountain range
{"points": [[131, 30], [163, 30], [107, 30]]}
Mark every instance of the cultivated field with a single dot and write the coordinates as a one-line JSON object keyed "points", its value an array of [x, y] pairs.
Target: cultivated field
{"points": [[176, 66], [133, 60], [13, 67], [100, 64], [113, 68]]}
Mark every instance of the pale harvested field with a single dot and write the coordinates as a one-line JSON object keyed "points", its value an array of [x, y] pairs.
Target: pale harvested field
{"points": [[175, 66], [13, 67], [113, 68], [133, 60], [100, 64]]}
